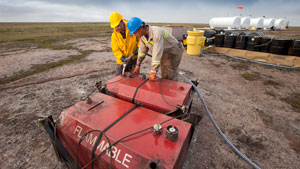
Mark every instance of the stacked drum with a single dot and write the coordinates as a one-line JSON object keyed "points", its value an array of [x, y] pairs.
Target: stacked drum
{"points": [[229, 41], [241, 42], [219, 40], [266, 43], [255, 41], [295, 50], [280, 46]]}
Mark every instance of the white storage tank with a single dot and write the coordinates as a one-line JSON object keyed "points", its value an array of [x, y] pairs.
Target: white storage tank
{"points": [[225, 22], [257, 22], [268, 23], [285, 25], [279, 23], [245, 23]]}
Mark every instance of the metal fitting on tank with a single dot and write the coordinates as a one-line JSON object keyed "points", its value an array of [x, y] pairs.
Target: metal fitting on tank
{"points": [[153, 165], [183, 108], [157, 129], [172, 133], [129, 74]]}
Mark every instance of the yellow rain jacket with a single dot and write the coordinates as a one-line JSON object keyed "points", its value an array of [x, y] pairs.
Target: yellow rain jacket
{"points": [[123, 47]]}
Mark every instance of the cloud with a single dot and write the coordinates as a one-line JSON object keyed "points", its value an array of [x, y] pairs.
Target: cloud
{"points": [[38, 11], [189, 11]]}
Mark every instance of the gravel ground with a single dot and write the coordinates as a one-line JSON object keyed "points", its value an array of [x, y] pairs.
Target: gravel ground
{"points": [[253, 113], [23, 60]]}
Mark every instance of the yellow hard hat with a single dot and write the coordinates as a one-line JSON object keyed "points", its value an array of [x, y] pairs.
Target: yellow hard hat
{"points": [[115, 18]]}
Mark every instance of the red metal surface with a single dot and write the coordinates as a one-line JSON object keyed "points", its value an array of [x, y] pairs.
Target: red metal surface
{"points": [[135, 152], [176, 93]]}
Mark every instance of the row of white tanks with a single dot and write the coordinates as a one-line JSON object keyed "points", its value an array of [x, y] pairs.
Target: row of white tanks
{"points": [[238, 22]]}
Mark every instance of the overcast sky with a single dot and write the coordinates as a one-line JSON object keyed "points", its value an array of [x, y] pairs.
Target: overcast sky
{"points": [[182, 11]]}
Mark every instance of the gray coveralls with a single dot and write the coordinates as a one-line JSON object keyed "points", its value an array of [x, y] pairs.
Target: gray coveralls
{"points": [[166, 52]]}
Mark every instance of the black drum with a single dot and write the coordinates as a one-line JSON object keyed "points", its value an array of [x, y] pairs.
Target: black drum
{"points": [[222, 31], [280, 46], [253, 42], [241, 42], [261, 34], [279, 50], [282, 43], [229, 41], [265, 45], [296, 44], [234, 33], [295, 52], [209, 33], [219, 40], [244, 34]]}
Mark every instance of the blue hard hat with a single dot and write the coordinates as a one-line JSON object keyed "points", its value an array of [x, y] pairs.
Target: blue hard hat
{"points": [[134, 24]]}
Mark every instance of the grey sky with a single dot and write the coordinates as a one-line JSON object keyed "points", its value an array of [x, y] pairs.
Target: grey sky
{"points": [[183, 11]]}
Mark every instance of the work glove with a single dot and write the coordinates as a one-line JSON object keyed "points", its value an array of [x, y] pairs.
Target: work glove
{"points": [[152, 76], [124, 59], [136, 52], [136, 70]]}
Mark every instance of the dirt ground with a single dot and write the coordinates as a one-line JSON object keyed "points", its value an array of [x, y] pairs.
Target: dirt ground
{"points": [[255, 112]]}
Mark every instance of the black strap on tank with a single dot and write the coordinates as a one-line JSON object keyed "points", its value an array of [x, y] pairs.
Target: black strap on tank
{"points": [[107, 128], [136, 90], [59, 148]]}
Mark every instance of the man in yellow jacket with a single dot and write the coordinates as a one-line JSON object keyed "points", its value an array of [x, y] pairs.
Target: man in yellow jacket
{"points": [[122, 43]]}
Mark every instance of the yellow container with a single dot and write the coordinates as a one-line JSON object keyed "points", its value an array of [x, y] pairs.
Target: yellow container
{"points": [[252, 28], [184, 43], [195, 42]]}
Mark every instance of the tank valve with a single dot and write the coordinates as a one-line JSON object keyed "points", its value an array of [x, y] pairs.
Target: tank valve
{"points": [[183, 108], [172, 133], [129, 74], [157, 129]]}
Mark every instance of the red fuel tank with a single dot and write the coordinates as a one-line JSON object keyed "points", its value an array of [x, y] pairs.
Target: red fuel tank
{"points": [[151, 94], [141, 151]]}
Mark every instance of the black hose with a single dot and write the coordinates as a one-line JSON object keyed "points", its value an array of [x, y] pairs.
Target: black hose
{"points": [[252, 164], [265, 44]]}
